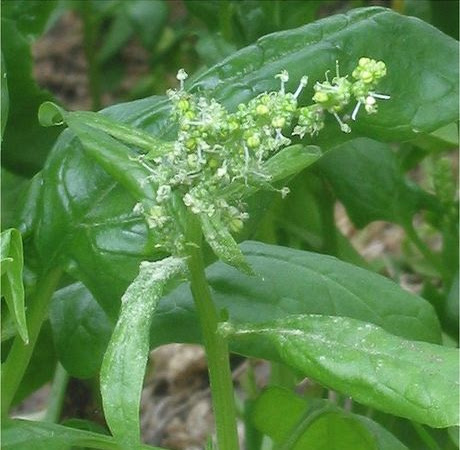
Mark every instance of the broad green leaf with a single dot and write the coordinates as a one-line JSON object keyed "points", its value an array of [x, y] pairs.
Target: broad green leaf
{"points": [[289, 281], [12, 262], [80, 207], [29, 435], [422, 101], [446, 138], [85, 221], [415, 380], [79, 324], [25, 143], [286, 281], [367, 179], [278, 411], [123, 366]]}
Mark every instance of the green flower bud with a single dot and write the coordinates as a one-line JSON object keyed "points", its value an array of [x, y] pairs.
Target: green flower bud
{"points": [[320, 97], [278, 122], [262, 110], [253, 141]]}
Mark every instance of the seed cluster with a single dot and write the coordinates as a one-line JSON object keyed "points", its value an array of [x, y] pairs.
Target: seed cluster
{"points": [[215, 148]]}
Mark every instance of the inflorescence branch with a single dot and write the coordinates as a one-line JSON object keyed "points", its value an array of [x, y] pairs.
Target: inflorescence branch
{"points": [[215, 148]]}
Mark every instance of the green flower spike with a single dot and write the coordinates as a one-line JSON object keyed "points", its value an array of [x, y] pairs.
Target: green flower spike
{"points": [[219, 158]]}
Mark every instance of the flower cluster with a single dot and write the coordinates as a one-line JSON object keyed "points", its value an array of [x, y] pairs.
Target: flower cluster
{"points": [[216, 148]]}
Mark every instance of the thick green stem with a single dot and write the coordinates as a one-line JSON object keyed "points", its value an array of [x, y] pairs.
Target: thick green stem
{"points": [[215, 345], [56, 398], [19, 355]]}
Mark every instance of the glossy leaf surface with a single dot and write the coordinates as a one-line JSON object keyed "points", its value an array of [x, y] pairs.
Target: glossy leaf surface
{"points": [[415, 380], [79, 323], [82, 207], [422, 101], [286, 281], [289, 281]]}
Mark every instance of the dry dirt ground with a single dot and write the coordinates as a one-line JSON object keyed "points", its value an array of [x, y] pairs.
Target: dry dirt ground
{"points": [[176, 409]]}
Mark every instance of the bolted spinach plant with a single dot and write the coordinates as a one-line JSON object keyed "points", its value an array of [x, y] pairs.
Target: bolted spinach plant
{"points": [[132, 198]]}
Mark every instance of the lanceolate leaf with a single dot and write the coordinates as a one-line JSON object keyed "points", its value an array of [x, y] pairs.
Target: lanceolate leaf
{"points": [[286, 281], [415, 380], [289, 281], [123, 367], [12, 261]]}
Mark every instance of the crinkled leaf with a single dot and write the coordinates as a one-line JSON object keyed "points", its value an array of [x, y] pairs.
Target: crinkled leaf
{"points": [[85, 221], [79, 324], [277, 412], [366, 177], [12, 262], [415, 380], [124, 362], [31, 435], [289, 281]]}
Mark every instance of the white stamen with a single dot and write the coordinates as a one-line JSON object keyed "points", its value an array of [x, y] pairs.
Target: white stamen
{"points": [[284, 78], [355, 111], [343, 126], [181, 76], [381, 96], [302, 84]]}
